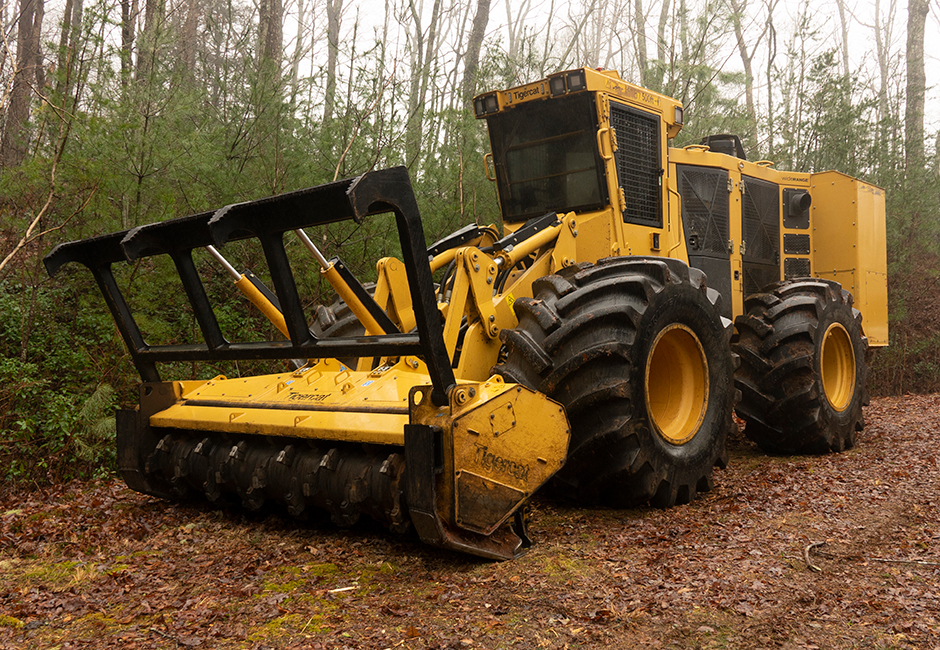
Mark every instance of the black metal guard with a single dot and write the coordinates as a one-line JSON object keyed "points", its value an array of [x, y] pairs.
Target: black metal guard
{"points": [[379, 192]]}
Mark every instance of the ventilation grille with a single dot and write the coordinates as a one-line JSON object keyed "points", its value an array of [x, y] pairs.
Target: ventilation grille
{"points": [[796, 244], [794, 267], [704, 195], [761, 221], [638, 167], [761, 208]]}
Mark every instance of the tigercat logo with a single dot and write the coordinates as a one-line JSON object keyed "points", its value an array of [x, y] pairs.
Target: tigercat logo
{"points": [[501, 465], [519, 95], [308, 397]]}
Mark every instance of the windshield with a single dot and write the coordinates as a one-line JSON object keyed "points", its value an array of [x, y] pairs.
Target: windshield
{"points": [[546, 157]]}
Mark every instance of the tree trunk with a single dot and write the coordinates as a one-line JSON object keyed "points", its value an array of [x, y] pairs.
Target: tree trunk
{"points": [[334, 10], [15, 136], [36, 45], [63, 53], [299, 49], [916, 85], [128, 19], [189, 37], [641, 58], [846, 70], [684, 30], [270, 34], [771, 56], [888, 123], [425, 52], [68, 45], [548, 42], [516, 16], [474, 44], [154, 15], [661, 32], [746, 59]]}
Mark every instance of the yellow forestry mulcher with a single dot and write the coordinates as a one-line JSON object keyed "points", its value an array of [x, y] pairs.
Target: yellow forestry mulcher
{"points": [[598, 343]]}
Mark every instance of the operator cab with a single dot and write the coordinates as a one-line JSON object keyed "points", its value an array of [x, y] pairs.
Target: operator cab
{"points": [[551, 142]]}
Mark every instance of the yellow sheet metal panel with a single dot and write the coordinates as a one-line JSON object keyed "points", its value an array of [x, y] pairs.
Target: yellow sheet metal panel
{"points": [[325, 400], [603, 81], [872, 243], [501, 442], [848, 228], [375, 428]]}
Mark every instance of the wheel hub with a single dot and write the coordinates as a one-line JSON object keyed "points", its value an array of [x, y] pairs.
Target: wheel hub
{"points": [[676, 384], [837, 367]]}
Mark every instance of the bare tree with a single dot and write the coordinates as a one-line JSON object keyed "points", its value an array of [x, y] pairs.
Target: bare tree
{"points": [[154, 19], [68, 37], [882, 42], [300, 48], [515, 28], [189, 44], [270, 34], [843, 22], [474, 43], [738, 12], [334, 13], [129, 11], [683, 30], [26, 76], [576, 32], [423, 55], [639, 17], [771, 57], [661, 44], [888, 113], [916, 85]]}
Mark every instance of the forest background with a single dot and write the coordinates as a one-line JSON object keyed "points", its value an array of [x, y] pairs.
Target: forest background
{"points": [[118, 113]]}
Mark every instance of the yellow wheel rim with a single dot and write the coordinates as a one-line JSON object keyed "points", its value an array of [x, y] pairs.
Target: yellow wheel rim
{"points": [[837, 366], [676, 384]]}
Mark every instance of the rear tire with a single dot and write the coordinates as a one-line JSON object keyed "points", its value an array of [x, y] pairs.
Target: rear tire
{"points": [[803, 373], [636, 351]]}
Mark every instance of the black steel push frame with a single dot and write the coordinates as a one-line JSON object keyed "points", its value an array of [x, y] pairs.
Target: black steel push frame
{"points": [[373, 193]]}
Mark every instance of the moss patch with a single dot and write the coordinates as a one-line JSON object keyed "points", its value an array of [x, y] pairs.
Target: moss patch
{"points": [[59, 575]]}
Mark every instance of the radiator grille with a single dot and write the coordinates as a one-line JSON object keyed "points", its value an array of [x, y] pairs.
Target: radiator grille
{"points": [[638, 168]]}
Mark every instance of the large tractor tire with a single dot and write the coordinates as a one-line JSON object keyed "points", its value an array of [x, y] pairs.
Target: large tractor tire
{"points": [[803, 369], [337, 320], [638, 354]]}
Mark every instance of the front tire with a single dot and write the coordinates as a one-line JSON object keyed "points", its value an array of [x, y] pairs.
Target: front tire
{"points": [[803, 373], [636, 351]]}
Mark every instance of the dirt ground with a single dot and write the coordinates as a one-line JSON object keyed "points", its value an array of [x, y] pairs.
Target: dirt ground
{"points": [[839, 551]]}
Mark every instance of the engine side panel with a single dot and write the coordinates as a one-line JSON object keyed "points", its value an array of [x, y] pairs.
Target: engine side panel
{"points": [[705, 222], [848, 222]]}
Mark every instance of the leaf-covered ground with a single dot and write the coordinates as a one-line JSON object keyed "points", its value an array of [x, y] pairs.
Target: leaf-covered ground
{"points": [[98, 566]]}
